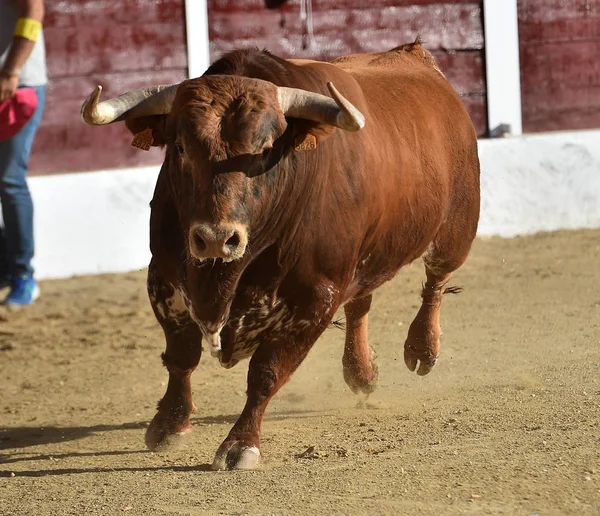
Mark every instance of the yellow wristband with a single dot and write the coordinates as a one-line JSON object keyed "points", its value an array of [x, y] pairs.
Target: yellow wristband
{"points": [[28, 29]]}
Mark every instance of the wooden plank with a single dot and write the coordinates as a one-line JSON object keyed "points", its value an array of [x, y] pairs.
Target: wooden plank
{"points": [[59, 149], [549, 10], [464, 70], [535, 32], [558, 120], [250, 5], [88, 13], [107, 49], [477, 108], [560, 82], [550, 100], [550, 107], [65, 144], [560, 65], [543, 21], [440, 26]]}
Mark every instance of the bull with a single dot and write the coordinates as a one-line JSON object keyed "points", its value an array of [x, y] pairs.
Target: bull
{"points": [[291, 188]]}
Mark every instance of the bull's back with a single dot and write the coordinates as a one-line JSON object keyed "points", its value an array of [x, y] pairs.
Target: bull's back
{"points": [[418, 136], [420, 152]]}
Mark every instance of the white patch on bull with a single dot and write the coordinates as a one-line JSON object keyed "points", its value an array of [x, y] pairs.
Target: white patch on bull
{"points": [[430, 263], [214, 343], [269, 319], [332, 291], [152, 294], [159, 306], [176, 303], [363, 262], [174, 307]]}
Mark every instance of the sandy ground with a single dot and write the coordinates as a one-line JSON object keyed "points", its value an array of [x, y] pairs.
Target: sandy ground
{"points": [[507, 423]]}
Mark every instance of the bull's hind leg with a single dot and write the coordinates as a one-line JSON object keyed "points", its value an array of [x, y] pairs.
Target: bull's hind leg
{"points": [[184, 346], [422, 345], [447, 253], [360, 370]]}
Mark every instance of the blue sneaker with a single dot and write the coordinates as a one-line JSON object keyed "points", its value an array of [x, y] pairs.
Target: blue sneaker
{"points": [[24, 291]]}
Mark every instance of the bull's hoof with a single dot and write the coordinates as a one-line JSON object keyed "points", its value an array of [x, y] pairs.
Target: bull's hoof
{"points": [[361, 382], [361, 377], [237, 457], [423, 363], [422, 346], [163, 435]]}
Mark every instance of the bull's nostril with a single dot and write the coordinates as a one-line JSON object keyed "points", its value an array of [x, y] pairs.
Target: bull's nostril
{"points": [[199, 243], [233, 240]]}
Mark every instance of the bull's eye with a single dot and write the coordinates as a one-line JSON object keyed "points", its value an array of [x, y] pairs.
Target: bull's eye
{"points": [[179, 148]]}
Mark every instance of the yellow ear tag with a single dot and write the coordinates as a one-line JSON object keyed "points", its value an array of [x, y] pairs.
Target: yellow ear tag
{"points": [[309, 142], [143, 140]]}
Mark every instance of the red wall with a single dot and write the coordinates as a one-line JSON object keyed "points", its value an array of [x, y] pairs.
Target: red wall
{"points": [[127, 44], [451, 29], [118, 44], [560, 74]]}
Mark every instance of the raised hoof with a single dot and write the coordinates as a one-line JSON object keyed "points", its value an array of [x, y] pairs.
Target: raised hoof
{"points": [[412, 359], [161, 436], [237, 457]]}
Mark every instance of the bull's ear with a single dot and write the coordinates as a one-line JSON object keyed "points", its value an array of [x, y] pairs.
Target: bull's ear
{"points": [[154, 123], [320, 132]]}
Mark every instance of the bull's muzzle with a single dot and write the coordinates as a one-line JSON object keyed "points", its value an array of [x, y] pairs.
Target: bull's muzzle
{"points": [[225, 241]]}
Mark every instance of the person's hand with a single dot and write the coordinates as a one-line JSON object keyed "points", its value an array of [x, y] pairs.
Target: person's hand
{"points": [[8, 85]]}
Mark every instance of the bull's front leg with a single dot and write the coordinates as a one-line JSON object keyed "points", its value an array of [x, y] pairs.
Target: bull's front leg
{"points": [[360, 369], [181, 357], [270, 368]]}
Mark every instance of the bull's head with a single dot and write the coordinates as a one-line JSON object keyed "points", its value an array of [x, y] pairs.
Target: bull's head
{"points": [[221, 134]]}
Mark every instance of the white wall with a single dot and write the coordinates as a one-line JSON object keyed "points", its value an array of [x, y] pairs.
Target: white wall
{"points": [[98, 221], [92, 222], [540, 182]]}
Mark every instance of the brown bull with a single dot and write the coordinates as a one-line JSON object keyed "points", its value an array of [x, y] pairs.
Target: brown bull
{"points": [[282, 198]]}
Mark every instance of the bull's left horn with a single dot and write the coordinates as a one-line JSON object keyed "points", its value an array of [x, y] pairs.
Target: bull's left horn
{"points": [[156, 100], [337, 111]]}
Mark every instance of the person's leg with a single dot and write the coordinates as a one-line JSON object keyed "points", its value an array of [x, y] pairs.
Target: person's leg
{"points": [[17, 206], [4, 274]]}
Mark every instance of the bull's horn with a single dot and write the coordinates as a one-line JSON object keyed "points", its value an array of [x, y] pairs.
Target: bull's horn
{"points": [[337, 111], [156, 100]]}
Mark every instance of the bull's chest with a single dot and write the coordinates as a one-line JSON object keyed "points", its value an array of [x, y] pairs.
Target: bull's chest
{"points": [[252, 320], [267, 319]]}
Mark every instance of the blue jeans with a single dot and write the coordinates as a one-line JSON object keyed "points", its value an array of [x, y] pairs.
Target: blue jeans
{"points": [[16, 237]]}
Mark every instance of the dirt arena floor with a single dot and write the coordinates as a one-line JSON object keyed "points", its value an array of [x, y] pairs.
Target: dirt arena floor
{"points": [[507, 423]]}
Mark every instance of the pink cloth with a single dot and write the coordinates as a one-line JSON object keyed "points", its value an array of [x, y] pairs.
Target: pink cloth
{"points": [[16, 112]]}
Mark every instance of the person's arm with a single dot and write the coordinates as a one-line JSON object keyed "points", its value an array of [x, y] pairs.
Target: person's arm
{"points": [[31, 12]]}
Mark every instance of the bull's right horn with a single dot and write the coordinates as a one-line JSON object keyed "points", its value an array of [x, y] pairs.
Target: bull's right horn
{"points": [[337, 111], [156, 100]]}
